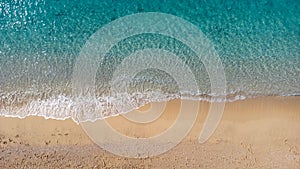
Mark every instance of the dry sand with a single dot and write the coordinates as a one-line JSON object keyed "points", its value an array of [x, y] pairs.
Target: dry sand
{"points": [[253, 133]]}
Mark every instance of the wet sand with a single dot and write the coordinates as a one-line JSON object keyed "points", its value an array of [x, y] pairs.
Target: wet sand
{"points": [[253, 133]]}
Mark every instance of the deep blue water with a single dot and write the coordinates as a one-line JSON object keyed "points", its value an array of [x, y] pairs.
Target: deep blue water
{"points": [[258, 43]]}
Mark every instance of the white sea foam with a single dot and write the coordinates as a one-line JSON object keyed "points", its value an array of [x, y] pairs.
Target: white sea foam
{"points": [[82, 109]]}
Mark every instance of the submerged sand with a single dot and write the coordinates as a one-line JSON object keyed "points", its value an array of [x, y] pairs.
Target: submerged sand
{"points": [[253, 133]]}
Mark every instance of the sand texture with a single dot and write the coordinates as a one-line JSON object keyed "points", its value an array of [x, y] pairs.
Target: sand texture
{"points": [[253, 133]]}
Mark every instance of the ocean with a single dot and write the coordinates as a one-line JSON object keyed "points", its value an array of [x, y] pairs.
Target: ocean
{"points": [[256, 42]]}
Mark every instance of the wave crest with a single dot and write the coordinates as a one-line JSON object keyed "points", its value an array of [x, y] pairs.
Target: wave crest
{"points": [[82, 109]]}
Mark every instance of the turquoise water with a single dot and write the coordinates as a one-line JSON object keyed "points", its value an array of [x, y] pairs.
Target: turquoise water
{"points": [[258, 43]]}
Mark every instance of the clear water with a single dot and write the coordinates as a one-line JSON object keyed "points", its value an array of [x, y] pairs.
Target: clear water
{"points": [[258, 43]]}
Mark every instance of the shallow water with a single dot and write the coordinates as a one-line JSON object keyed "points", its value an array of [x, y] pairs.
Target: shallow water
{"points": [[257, 42]]}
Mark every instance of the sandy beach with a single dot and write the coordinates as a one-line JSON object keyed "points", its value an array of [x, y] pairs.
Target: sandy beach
{"points": [[254, 133]]}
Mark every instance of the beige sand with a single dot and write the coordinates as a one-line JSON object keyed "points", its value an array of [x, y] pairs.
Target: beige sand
{"points": [[253, 133]]}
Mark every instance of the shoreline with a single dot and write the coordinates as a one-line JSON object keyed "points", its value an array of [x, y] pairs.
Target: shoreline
{"points": [[203, 98], [253, 133]]}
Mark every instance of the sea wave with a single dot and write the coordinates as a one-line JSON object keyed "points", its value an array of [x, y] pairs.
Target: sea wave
{"points": [[88, 108]]}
